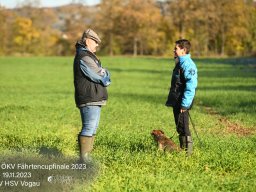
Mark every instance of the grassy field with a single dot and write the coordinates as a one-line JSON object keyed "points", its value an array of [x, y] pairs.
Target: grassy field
{"points": [[37, 113]]}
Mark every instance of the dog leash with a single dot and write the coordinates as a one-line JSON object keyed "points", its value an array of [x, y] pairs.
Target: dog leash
{"points": [[193, 125]]}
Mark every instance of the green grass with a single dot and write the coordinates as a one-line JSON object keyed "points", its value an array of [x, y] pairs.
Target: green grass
{"points": [[37, 111]]}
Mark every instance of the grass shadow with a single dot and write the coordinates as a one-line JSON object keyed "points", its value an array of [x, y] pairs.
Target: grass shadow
{"points": [[53, 151], [148, 98], [228, 61]]}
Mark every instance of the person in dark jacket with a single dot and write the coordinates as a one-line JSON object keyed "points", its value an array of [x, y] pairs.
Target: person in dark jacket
{"points": [[90, 82], [182, 92]]}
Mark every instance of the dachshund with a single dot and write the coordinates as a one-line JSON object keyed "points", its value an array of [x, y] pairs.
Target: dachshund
{"points": [[164, 143]]}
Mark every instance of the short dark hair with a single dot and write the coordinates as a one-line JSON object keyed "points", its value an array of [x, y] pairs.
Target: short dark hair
{"points": [[184, 43]]}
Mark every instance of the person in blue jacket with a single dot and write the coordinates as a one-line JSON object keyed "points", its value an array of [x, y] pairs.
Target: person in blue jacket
{"points": [[182, 92], [90, 82]]}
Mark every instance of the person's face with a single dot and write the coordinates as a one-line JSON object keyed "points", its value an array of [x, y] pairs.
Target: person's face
{"points": [[178, 51], [91, 45]]}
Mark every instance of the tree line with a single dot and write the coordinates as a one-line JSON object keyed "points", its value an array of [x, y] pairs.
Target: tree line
{"points": [[137, 27]]}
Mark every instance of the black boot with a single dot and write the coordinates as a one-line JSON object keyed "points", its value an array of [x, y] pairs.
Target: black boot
{"points": [[182, 140], [85, 147]]}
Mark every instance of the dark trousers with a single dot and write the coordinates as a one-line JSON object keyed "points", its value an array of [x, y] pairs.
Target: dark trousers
{"points": [[181, 121]]}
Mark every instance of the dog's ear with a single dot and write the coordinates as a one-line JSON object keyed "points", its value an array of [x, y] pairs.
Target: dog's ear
{"points": [[153, 132], [161, 131]]}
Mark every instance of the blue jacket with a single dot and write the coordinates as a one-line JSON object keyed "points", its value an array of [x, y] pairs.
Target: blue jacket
{"points": [[189, 71]]}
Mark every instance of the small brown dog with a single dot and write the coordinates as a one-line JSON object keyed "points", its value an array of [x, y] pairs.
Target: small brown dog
{"points": [[164, 143]]}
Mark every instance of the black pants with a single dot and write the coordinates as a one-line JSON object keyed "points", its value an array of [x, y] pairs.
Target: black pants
{"points": [[181, 121]]}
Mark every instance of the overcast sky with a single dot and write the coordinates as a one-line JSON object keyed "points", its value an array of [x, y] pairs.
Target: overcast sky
{"points": [[44, 3]]}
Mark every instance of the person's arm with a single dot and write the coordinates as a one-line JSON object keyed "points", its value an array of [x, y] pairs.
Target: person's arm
{"points": [[190, 74], [92, 75]]}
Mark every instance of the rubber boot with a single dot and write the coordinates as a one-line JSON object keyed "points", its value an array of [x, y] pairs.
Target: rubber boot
{"points": [[85, 147], [186, 143], [182, 140], [189, 145]]}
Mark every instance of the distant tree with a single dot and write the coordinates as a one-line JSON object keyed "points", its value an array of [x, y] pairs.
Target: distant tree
{"points": [[107, 23], [150, 27], [77, 19], [187, 19], [49, 35], [251, 45], [210, 25], [5, 30], [140, 24], [25, 35], [238, 32], [231, 26], [250, 42]]}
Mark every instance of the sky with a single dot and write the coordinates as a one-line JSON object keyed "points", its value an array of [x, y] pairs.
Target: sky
{"points": [[44, 3]]}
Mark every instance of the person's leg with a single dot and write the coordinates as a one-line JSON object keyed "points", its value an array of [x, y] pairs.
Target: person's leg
{"points": [[179, 126], [89, 117], [185, 123], [178, 117], [95, 130], [182, 125], [188, 139]]}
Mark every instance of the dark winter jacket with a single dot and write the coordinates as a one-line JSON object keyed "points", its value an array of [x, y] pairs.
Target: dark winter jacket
{"points": [[89, 86]]}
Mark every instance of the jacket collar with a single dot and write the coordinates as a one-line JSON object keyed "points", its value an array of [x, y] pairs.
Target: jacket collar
{"points": [[82, 47]]}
